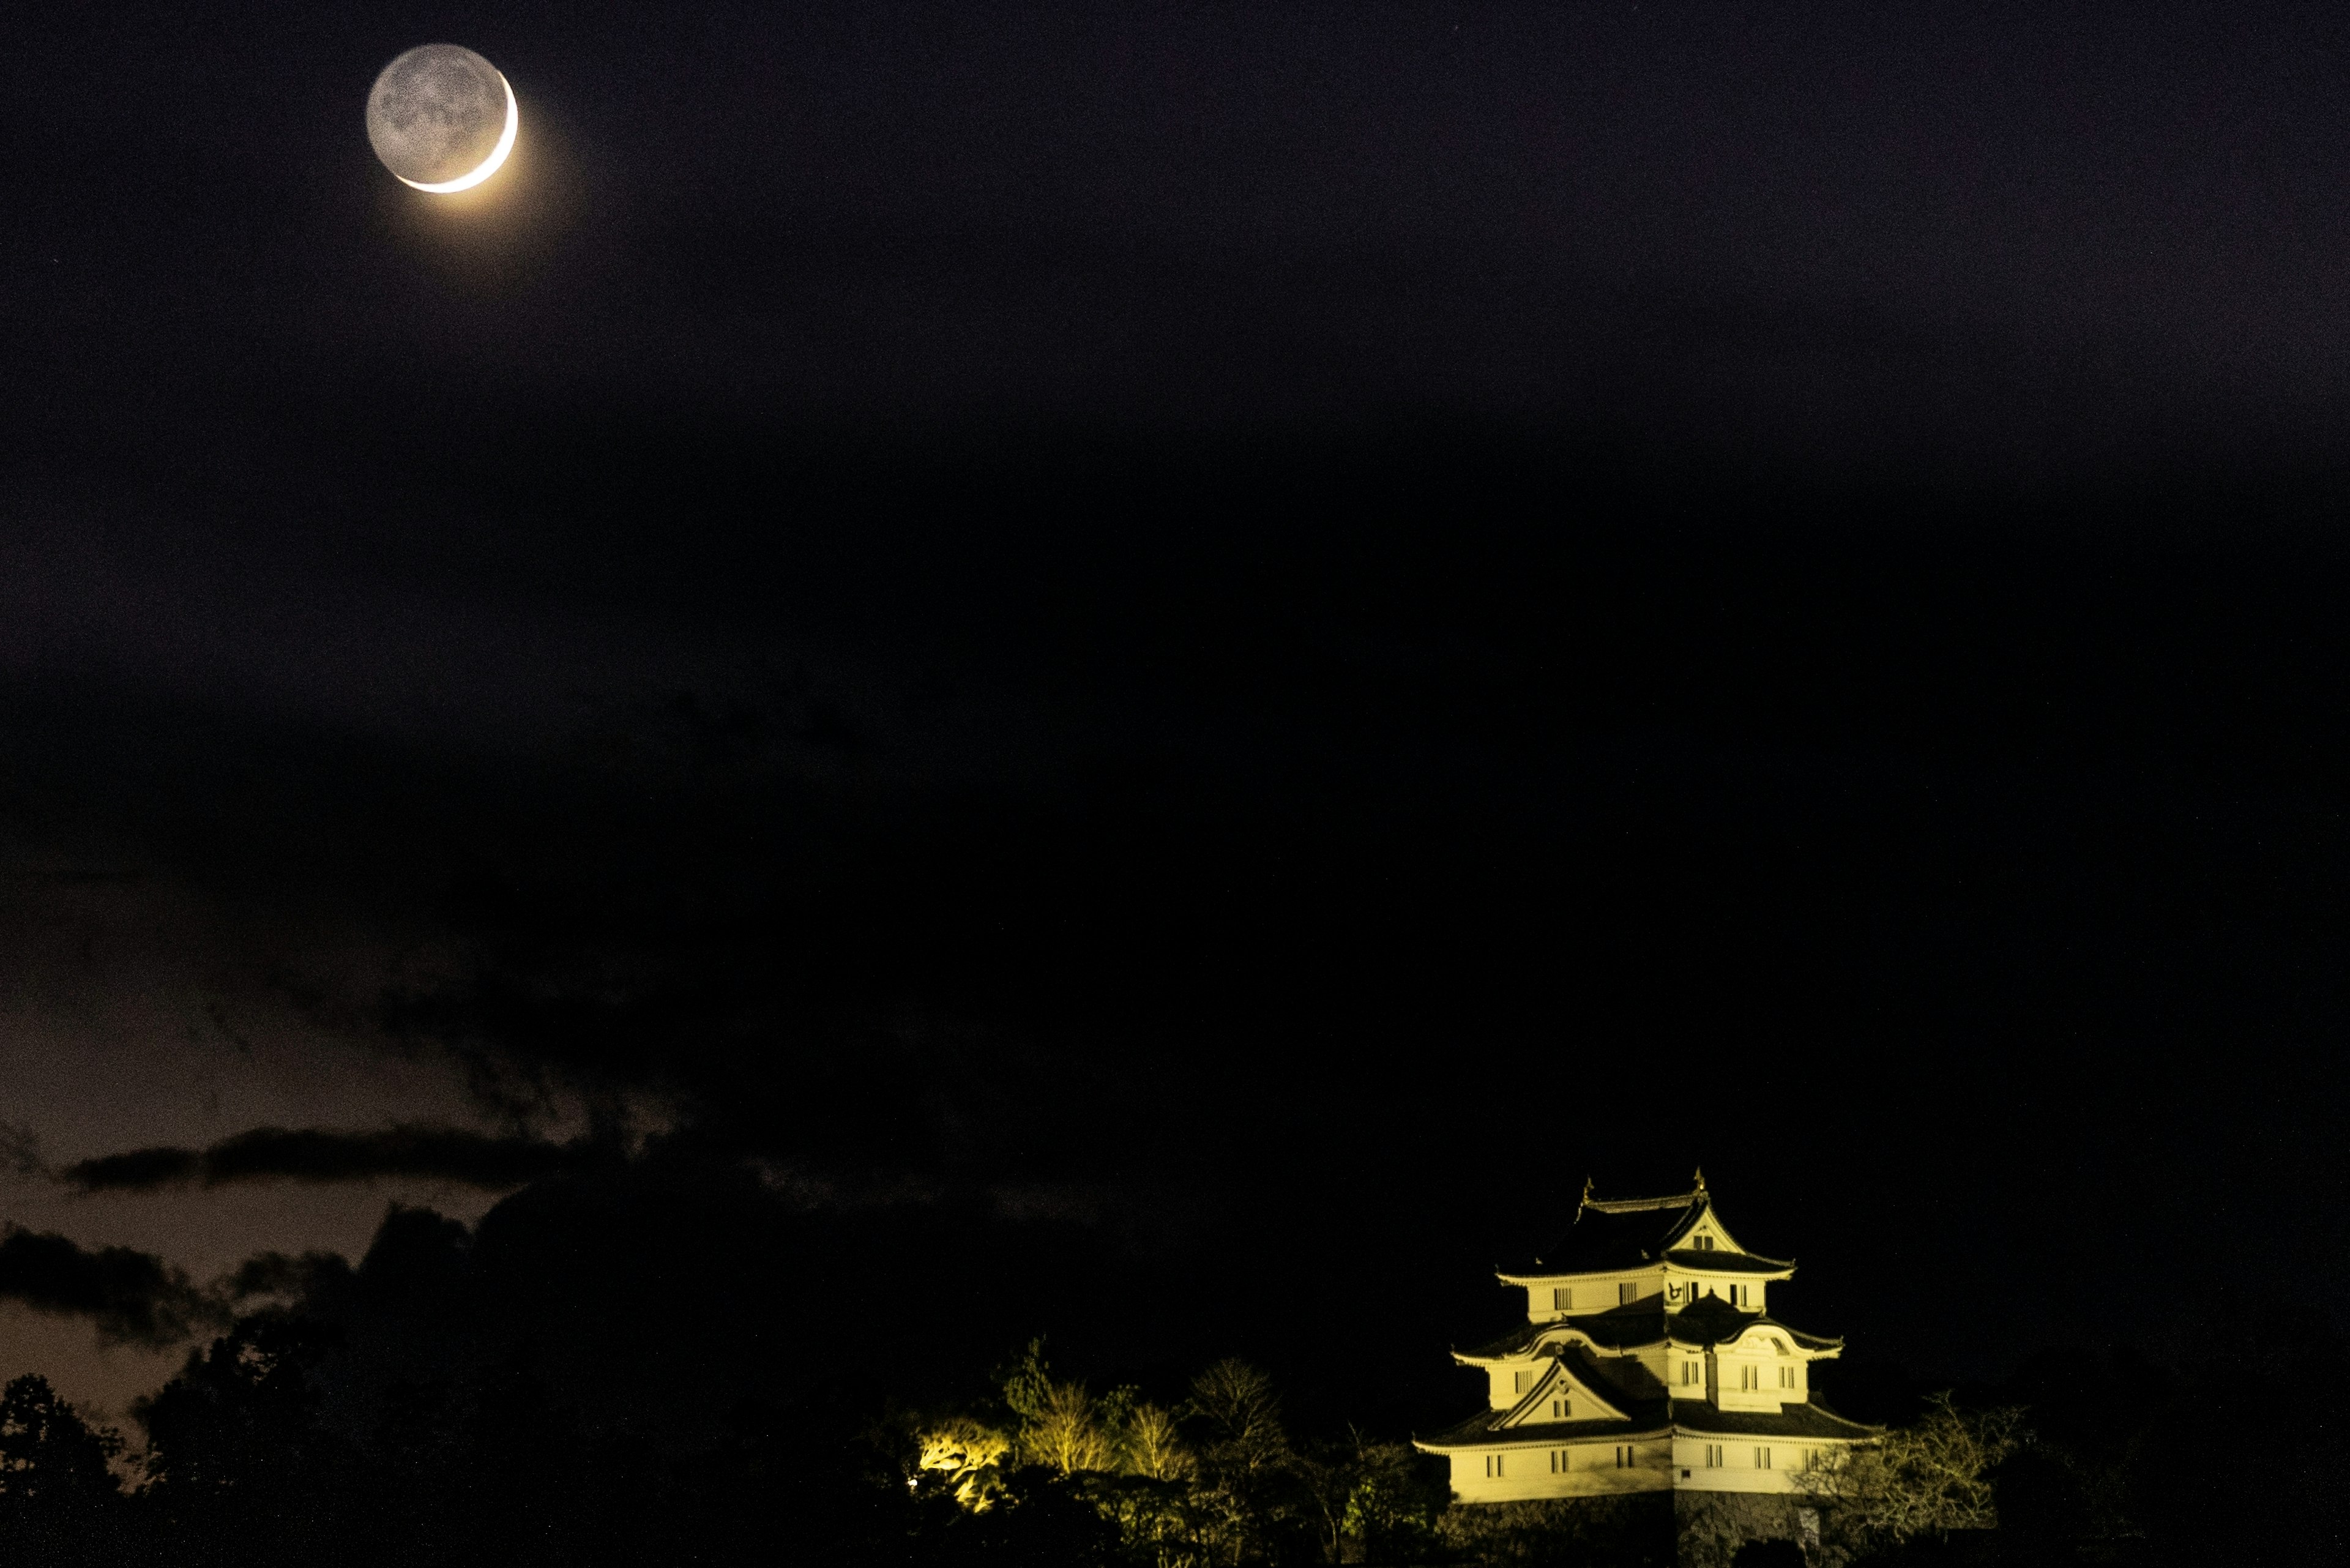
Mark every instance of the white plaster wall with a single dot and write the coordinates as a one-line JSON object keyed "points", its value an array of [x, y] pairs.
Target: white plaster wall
{"points": [[1501, 1390], [1695, 1286], [1739, 1472], [1592, 1293], [1592, 1473], [1673, 1359]]}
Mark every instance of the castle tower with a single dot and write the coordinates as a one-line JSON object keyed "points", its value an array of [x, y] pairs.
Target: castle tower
{"points": [[1650, 1363]]}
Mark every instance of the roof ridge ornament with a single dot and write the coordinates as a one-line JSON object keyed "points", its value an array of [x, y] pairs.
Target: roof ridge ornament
{"points": [[1699, 1178]]}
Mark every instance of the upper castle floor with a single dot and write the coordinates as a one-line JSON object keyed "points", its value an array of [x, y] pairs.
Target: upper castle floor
{"points": [[1673, 1251]]}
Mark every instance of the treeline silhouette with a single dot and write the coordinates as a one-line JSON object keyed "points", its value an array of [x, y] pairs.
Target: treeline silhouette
{"points": [[247, 1462]]}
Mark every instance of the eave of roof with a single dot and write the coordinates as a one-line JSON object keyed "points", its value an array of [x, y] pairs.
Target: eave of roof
{"points": [[1709, 1323], [1689, 1260], [1808, 1420], [1484, 1429], [1652, 1419], [1718, 1262]]}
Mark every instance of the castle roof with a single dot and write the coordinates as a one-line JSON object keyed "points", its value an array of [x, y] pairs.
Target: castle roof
{"points": [[1713, 1321], [1611, 1235], [1710, 1321], [1815, 1420], [1653, 1418]]}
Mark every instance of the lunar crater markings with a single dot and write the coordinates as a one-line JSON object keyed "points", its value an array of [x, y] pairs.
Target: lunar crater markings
{"points": [[441, 118]]}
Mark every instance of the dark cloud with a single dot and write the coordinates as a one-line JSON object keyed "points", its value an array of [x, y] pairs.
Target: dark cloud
{"points": [[134, 1297], [1341, 674], [310, 1154], [282, 1275], [140, 1171]]}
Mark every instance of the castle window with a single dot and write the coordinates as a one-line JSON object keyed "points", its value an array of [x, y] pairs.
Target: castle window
{"points": [[1713, 1456], [1562, 1297], [1626, 1294], [1624, 1456], [1705, 1244], [1492, 1467], [1554, 1461], [1749, 1377], [1738, 1295], [1521, 1381], [1690, 1374], [1786, 1377], [1761, 1458]]}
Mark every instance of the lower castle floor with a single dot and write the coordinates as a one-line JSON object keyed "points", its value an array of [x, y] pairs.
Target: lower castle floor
{"points": [[1650, 1463]]}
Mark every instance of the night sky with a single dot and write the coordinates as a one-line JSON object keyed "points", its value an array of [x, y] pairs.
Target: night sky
{"points": [[1147, 671]]}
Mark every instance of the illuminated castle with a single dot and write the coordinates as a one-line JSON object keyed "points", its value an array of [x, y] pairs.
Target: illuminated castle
{"points": [[1651, 1363]]}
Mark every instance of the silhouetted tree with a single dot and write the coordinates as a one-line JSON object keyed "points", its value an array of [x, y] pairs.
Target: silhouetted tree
{"points": [[238, 1466], [60, 1502]]}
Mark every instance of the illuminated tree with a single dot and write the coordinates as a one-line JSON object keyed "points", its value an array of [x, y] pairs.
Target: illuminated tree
{"points": [[968, 1457], [1152, 1445], [1066, 1432], [1061, 1426], [1926, 1479]]}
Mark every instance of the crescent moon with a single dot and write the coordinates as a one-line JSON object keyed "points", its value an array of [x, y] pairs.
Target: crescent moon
{"points": [[489, 165]]}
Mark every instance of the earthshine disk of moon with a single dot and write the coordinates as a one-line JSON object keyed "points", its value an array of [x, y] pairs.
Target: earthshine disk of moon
{"points": [[442, 119]]}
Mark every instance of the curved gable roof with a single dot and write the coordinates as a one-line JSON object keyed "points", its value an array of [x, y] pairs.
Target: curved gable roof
{"points": [[1567, 1378], [1713, 1320], [1710, 1320], [1615, 1233]]}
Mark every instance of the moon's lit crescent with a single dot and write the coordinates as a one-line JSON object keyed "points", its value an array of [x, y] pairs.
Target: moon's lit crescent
{"points": [[489, 165]]}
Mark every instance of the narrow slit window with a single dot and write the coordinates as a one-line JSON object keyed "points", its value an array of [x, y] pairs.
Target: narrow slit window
{"points": [[1626, 1294], [1761, 1458], [1562, 1297]]}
